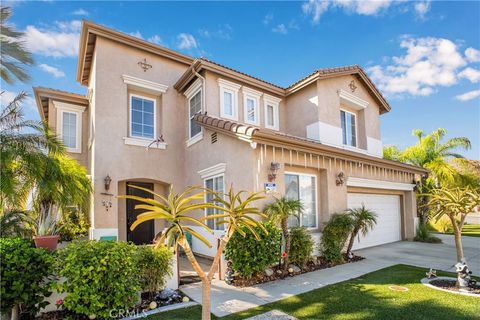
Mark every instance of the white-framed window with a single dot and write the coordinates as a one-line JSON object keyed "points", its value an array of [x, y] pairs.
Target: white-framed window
{"points": [[194, 95], [271, 106], [302, 187], [143, 116], [217, 184], [349, 128], [228, 99], [69, 125], [251, 100]]}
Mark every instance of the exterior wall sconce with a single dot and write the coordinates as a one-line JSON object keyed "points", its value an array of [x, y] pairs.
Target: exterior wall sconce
{"points": [[274, 167], [107, 182], [340, 181]]}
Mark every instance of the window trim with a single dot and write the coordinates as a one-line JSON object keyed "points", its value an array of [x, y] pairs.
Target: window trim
{"points": [[70, 108], [356, 129], [189, 94], [255, 96], [316, 195], [230, 87], [216, 175], [130, 96], [275, 102]]}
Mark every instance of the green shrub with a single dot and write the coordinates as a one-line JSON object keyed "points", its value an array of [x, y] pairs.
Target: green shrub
{"points": [[24, 273], [154, 266], [248, 255], [301, 245], [335, 234], [100, 276], [73, 225], [424, 235]]}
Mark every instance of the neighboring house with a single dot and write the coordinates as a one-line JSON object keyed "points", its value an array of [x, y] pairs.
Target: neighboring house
{"points": [[155, 117]]}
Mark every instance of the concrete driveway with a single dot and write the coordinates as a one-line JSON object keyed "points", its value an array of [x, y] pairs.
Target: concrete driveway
{"points": [[228, 299], [437, 256]]}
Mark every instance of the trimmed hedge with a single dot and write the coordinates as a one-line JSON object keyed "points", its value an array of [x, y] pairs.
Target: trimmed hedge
{"points": [[249, 256], [301, 246], [154, 266]]}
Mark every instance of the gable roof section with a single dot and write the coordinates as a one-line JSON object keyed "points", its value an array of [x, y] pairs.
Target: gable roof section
{"points": [[91, 30], [253, 134], [43, 95]]}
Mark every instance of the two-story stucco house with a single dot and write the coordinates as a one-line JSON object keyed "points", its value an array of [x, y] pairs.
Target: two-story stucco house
{"points": [[155, 117]]}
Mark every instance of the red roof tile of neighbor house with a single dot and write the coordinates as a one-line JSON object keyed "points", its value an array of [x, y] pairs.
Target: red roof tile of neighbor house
{"points": [[264, 135]]}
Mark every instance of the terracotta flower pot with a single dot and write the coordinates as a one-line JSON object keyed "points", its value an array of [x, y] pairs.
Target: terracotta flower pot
{"points": [[46, 242]]}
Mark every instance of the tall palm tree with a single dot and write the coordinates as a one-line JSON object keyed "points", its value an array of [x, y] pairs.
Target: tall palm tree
{"points": [[279, 212], [12, 51], [175, 209], [363, 220]]}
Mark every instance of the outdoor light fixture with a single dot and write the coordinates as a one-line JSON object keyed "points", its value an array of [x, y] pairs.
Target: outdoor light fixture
{"points": [[274, 167], [107, 182], [340, 178]]}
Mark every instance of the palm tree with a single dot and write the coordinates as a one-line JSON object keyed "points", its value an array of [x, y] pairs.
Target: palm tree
{"points": [[279, 212], [363, 220], [175, 209], [456, 204], [12, 51]]}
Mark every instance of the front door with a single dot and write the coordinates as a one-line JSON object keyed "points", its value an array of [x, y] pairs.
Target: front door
{"points": [[144, 232]]}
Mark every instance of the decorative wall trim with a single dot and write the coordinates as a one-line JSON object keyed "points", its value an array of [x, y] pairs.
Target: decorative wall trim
{"points": [[232, 88], [192, 90], [144, 143], [144, 85], [198, 137], [352, 100], [213, 170], [378, 184]]}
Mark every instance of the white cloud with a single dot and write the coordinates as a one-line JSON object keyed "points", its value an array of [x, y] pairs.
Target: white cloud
{"points": [[80, 12], [369, 7], [473, 55], [7, 96], [473, 75], [155, 39], [186, 41], [468, 95], [59, 40], [268, 18], [421, 9], [315, 9], [52, 70], [223, 32], [428, 63], [281, 28], [136, 34]]}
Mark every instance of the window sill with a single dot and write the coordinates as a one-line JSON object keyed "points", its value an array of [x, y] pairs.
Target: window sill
{"points": [[73, 150], [144, 143], [195, 139]]}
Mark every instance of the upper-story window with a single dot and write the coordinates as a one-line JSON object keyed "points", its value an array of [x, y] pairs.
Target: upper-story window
{"points": [[250, 106], [271, 113], [228, 99], [349, 128], [69, 125], [142, 117], [195, 106]]}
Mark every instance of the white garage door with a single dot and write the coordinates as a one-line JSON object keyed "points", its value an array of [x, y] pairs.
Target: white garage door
{"points": [[387, 208]]}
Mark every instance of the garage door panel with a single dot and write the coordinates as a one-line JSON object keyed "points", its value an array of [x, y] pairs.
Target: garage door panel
{"points": [[388, 227]]}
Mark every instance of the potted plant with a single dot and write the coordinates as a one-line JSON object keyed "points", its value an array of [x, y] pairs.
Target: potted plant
{"points": [[45, 229]]}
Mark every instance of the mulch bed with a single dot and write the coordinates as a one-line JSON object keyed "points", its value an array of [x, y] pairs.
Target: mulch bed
{"points": [[451, 285], [320, 263], [143, 306]]}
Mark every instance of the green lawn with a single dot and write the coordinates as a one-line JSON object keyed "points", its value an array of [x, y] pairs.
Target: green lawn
{"points": [[469, 230], [367, 297]]}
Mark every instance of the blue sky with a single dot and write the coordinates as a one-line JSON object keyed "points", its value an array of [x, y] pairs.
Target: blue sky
{"points": [[424, 56]]}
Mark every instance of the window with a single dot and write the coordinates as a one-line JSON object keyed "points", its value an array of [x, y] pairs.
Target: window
{"points": [[349, 131], [195, 106], [271, 112], [216, 184], [142, 117], [302, 187], [69, 125], [228, 99]]}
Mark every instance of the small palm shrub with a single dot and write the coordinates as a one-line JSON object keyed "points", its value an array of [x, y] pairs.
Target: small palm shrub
{"points": [[301, 246], [249, 255], [24, 272], [334, 237], [154, 266], [424, 235], [100, 277], [363, 220], [442, 225], [73, 225]]}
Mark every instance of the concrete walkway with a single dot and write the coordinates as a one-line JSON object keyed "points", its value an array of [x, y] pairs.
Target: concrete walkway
{"points": [[229, 299]]}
